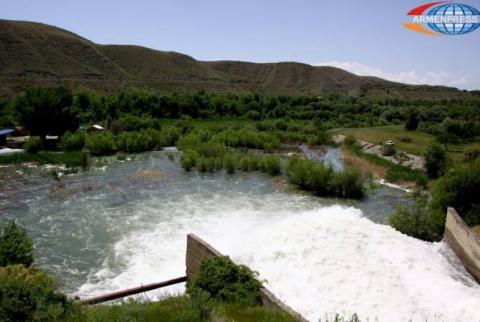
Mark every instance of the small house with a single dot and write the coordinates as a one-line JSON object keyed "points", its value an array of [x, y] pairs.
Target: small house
{"points": [[3, 136]]}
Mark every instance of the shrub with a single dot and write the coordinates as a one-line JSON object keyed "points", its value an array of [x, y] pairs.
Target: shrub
{"points": [[225, 281], [271, 165], [132, 142], [33, 145], [435, 161], [15, 246], [100, 144], [323, 181], [320, 138], [281, 125], [459, 188], [130, 122], [28, 294], [185, 124], [253, 115], [349, 183], [167, 137], [415, 220], [188, 160], [229, 164], [72, 141]]}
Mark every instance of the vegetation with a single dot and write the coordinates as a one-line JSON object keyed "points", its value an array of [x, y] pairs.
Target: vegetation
{"points": [[436, 161], [26, 293], [323, 181], [225, 281], [34, 144], [15, 246], [45, 111], [394, 172], [426, 218], [70, 159]]}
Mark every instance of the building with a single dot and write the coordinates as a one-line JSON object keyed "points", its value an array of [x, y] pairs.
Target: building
{"points": [[3, 136]]}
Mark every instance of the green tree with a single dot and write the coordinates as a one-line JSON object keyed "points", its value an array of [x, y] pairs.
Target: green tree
{"points": [[15, 246], [46, 111], [412, 121], [436, 161], [28, 294]]}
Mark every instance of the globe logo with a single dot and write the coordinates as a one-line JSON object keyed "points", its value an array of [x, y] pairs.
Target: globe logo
{"points": [[444, 18]]}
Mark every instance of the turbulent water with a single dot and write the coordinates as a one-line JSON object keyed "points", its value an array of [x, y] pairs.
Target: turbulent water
{"points": [[122, 224]]}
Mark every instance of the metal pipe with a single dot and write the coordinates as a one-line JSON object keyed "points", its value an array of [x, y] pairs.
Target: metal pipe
{"points": [[132, 291]]}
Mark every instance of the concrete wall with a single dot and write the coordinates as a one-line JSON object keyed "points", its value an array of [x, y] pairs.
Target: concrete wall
{"points": [[198, 250], [464, 242]]}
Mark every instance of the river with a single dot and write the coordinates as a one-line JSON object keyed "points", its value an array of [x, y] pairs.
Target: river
{"points": [[124, 223]]}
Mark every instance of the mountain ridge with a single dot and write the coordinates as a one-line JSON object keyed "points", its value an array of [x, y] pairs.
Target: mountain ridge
{"points": [[40, 54]]}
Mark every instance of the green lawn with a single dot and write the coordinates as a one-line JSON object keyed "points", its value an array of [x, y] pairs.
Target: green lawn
{"points": [[419, 141]]}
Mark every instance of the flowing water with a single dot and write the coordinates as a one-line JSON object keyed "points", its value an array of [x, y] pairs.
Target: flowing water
{"points": [[122, 224]]}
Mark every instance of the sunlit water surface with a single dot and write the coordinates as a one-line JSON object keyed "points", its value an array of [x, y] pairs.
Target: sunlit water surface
{"points": [[122, 224]]}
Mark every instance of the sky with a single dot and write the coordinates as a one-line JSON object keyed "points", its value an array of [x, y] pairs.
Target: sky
{"points": [[365, 37]]}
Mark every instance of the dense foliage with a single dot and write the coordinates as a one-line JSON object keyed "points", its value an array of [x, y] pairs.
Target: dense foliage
{"points": [[15, 246], [436, 161], [28, 294], [425, 219], [223, 280], [323, 181], [57, 110]]}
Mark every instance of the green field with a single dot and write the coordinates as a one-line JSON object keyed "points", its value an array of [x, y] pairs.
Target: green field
{"points": [[408, 141]]}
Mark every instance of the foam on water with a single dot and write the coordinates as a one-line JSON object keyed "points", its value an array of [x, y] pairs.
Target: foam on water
{"points": [[320, 260]]}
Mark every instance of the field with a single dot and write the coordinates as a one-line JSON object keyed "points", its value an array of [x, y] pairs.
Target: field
{"points": [[408, 141]]}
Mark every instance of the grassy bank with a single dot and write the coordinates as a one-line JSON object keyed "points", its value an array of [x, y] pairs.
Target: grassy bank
{"points": [[177, 309], [383, 168], [70, 159], [413, 142]]}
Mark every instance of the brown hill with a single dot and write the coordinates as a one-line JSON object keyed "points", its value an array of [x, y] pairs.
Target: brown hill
{"points": [[39, 54]]}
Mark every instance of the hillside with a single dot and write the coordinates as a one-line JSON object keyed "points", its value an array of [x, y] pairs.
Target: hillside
{"points": [[39, 54]]}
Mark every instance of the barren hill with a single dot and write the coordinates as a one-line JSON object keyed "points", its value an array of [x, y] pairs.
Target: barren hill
{"points": [[38, 54]]}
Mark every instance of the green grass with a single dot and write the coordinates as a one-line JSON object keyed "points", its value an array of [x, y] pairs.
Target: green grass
{"points": [[70, 159], [419, 140], [175, 309]]}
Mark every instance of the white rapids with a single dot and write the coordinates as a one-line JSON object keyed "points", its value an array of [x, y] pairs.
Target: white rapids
{"points": [[320, 260]]}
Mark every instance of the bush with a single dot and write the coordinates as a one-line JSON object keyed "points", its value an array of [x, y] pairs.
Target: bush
{"points": [[415, 220], [225, 281], [435, 161], [188, 160], [100, 144], [132, 142], [253, 115], [72, 141], [271, 165], [33, 145], [28, 294], [168, 137], [15, 246], [185, 124], [229, 164], [323, 181], [459, 188], [131, 122]]}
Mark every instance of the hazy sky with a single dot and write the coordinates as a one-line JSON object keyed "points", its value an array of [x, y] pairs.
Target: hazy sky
{"points": [[363, 36]]}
